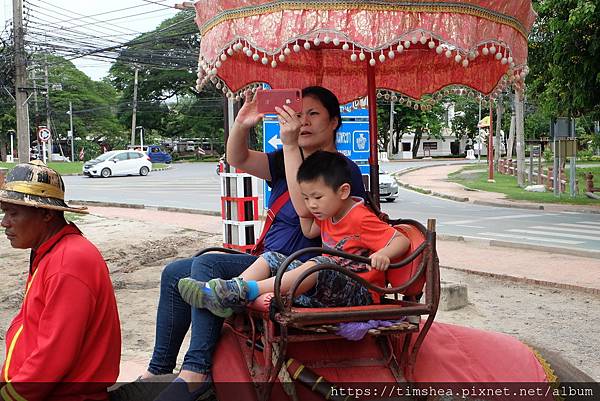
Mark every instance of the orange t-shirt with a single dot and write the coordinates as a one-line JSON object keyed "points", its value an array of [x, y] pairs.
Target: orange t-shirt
{"points": [[359, 232]]}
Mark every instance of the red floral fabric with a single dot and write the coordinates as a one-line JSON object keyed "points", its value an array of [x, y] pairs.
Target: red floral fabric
{"points": [[268, 27]]}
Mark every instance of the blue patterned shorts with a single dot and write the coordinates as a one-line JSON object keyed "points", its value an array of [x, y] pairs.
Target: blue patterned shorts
{"points": [[332, 288]]}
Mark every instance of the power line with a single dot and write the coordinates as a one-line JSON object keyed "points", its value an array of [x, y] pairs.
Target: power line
{"points": [[158, 3], [78, 44], [98, 14], [71, 19]]}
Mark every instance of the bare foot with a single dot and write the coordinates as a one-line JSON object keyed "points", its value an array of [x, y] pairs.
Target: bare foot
{"points": [[194, 380]]}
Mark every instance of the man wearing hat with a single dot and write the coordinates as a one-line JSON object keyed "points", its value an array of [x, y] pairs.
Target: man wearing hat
{"points": [[65, 342]]}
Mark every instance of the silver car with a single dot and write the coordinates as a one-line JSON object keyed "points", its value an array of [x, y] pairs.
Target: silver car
{"points": [[388, 187]]}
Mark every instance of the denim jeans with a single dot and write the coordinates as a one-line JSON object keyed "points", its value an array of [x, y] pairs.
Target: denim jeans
{"points": [[174, 315]]}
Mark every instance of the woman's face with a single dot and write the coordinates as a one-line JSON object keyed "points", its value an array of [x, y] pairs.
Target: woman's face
{"points": [[316, 131]]}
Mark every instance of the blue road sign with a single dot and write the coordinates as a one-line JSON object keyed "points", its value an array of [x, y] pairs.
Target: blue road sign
{"points": [[352, 138]]}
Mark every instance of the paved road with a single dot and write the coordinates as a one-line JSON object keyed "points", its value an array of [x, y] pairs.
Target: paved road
{"points": [[562, 229], [185, 185], [196, 186]]}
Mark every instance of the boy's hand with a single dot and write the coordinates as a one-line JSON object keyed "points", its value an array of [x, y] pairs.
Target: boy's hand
{"points": [[379, 261]]}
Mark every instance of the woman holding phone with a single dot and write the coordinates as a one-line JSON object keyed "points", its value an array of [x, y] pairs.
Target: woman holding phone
{"points": [[302, 134]]}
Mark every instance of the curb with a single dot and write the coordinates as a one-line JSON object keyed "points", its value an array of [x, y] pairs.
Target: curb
{"points": [[140, 206], [550, 284], [516, 245], [411, 169], [533, 206], [426, 191]]}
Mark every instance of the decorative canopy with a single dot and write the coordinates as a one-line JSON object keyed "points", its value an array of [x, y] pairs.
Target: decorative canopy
{"points": [[416, 48]]}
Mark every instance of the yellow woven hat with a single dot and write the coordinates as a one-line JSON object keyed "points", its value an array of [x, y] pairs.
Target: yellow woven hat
{"points": [[35, 184]]}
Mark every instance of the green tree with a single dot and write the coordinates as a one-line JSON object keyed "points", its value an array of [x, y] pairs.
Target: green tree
{"points": [[94, 105], [195, 117], [564, 50], [7, 103], [168, 104], [466, 116], [428, 123]]}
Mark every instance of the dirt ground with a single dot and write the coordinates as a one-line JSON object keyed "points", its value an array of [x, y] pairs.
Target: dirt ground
{"points": [[561, 320]]}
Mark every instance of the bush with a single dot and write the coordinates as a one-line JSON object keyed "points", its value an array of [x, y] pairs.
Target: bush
{"points": [[547, 155], [585, 155]]}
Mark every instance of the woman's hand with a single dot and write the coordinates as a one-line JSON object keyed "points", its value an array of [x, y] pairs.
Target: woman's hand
{"points": [[248, 116], [289, 125]]}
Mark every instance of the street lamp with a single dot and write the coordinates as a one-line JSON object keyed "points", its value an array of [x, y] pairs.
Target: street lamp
{"points": [[12, 154], [70, 135], [141, 128]]}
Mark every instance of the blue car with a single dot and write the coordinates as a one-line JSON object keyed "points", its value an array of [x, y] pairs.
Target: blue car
{"points": [[158, 155]]}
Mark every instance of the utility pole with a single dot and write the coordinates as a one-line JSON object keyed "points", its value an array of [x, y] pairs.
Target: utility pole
{"points": [[512, 130], [20, 83], [35, 99], [498, 141], [520, 137], [133, 116], [490, 148], [35, 106], [46, 84], [597, 132], [479, 142], [71, 133], [390, 147]]}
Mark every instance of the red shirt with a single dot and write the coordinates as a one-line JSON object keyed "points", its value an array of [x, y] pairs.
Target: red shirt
{"points": [[65, 342]]}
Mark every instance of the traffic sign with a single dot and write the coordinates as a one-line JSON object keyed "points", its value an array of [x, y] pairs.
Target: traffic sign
{"points": [[352, 138], [44, 134]]}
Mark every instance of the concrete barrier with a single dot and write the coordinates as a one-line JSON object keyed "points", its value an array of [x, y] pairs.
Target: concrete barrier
{"points": [[453, 296]]}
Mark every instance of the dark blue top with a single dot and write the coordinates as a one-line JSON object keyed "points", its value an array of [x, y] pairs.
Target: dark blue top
{"points": [[285, 235]]}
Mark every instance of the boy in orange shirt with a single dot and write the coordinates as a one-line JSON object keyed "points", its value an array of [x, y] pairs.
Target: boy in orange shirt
{"points": [[343, 222]]}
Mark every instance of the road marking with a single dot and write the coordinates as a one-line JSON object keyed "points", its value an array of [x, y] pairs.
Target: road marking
{"points": [[513, 236], [574, 225], [516, 216], [586, 237], [590, 223], [573, 230]]}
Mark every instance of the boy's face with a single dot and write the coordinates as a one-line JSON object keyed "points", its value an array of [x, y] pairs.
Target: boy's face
{"points": [[322, 200]]}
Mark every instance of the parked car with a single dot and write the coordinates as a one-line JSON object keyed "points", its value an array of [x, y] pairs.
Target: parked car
{"points": [[388, 187], [118, 162]]}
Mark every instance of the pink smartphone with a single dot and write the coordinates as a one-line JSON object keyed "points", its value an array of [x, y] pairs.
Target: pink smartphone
{"points": [[267, 100]]}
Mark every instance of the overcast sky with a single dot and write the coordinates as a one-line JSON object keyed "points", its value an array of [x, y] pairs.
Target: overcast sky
{"points": [[136, 16]]}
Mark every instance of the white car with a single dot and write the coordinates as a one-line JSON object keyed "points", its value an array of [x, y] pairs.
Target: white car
{"points": [[388, 187], [118, 162]]}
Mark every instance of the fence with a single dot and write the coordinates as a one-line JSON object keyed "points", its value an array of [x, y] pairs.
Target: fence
{"points": [[509, 167]]}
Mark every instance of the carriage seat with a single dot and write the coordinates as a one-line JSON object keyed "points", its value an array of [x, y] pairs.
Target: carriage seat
{"points": [[400, 293]]}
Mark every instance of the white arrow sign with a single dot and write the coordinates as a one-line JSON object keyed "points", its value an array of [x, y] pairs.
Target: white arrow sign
{"points": [[275, 141]]}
